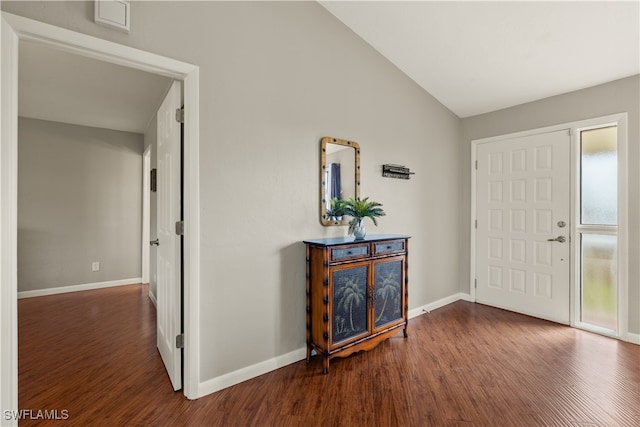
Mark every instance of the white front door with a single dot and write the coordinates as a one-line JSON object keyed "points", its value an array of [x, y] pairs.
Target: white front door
{"points": [[523, 213], [169, 255]]}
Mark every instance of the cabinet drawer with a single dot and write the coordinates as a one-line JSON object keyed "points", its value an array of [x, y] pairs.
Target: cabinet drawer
{"points": [[349, 252], [391, 247]]}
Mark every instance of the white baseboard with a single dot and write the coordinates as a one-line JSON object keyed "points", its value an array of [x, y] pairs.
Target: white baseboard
{"points": [[244, 374], [466, 297], [153, 299], [437, 304], [75, 288], [633, 338], [236, 377]]}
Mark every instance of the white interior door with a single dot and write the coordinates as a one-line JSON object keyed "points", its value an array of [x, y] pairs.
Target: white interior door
{"points": [[169, 300], [523, 213]]}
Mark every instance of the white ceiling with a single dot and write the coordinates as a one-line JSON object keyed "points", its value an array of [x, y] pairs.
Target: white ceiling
{"points": [[476, 56], [64, 87]]}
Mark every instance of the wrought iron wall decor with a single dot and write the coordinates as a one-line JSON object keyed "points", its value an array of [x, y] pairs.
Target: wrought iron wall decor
{"points": [[396, 171]]}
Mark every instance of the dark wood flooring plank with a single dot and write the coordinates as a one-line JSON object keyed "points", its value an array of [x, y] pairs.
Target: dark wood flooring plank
{"points": [[93, 353]]}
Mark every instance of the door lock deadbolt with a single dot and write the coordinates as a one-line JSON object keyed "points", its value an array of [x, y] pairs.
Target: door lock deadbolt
{"points": [[562, 224]]}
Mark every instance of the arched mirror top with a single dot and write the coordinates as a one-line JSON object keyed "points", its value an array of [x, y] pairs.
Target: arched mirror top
{"points": [[339, 177]]}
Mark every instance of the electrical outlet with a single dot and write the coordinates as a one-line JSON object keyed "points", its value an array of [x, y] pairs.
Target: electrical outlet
{"points": [[95, 266]]}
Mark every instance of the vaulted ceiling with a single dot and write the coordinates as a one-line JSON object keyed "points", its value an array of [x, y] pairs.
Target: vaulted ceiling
{"points": [[474, 57], [477, 56]]}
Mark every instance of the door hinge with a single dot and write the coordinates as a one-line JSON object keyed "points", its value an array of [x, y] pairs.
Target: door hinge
{"points": [[179, 228], [476, 223], [180, 115], [476, 165], [475, 283], [180, 341]]}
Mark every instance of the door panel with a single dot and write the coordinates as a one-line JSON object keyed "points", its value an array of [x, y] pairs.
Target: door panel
{"points": [[522, 202], [349, 310], [389, 300], [169, 257]]}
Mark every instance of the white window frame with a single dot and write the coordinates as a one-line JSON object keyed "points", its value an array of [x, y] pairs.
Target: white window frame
{"points": [[620, 230]]}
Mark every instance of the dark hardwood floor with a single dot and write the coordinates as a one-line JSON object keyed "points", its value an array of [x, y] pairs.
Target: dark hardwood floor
{"points": [[93, 354]]}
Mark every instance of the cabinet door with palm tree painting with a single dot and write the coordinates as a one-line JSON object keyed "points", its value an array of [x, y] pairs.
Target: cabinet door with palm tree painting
{"points": [[349, 303], [389, 300]]}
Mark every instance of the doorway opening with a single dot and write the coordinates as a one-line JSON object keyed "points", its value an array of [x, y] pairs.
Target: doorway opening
{"points": [[507, 232], [15, 29], [523, 208]]}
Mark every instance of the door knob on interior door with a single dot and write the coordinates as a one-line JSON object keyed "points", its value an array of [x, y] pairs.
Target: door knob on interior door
{"points": [[155, 242], [560, 239]]}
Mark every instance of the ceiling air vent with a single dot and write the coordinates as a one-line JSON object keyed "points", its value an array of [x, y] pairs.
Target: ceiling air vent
{"points": [[113, 14]]}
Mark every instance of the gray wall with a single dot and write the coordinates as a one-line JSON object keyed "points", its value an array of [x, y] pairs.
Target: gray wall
{"points": [[79, 201], [614, 97], [275, 77]]}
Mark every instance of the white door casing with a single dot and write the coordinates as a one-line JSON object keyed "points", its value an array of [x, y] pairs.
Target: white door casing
{"points": [[522, 197], [15, 29], [8, 220], [169, 300]]}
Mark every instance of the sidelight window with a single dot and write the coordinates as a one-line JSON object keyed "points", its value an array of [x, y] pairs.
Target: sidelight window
{"points": [[598, 227]]}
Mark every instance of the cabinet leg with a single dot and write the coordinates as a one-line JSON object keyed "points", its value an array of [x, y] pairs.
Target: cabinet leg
{"points": [[325, 364], [308, 353], [405, 333]]}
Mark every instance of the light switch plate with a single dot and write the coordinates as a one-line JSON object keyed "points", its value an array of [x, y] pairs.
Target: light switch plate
{"points": [[114, 14]]}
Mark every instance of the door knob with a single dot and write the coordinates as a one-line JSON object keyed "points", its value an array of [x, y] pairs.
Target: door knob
{"points": [[560, 239], [155, 242]]}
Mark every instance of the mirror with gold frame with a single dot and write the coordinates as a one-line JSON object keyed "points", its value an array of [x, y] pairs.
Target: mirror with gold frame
{"points": [[339, 175]]}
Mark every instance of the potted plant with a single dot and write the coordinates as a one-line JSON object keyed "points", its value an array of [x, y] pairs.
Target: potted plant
{"points": [[336, 211], [359, 209]]}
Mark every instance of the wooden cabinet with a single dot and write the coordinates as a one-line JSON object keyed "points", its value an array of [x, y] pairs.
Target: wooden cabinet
{"points": [[356, 294]]}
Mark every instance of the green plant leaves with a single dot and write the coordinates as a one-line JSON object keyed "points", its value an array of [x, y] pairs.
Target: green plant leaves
{"points": [[360, 209]]}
